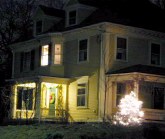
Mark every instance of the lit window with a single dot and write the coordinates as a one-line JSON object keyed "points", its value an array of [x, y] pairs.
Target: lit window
{"points": [[38, 27], [83, 50], [155, 54], [121, 49], [57, 54], [25, 98], [44, 55], [82, 95], [121, 88], [72, 17]]}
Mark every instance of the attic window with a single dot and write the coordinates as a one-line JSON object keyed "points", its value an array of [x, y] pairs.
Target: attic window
{"points": [[155, 54], [72, 17], [38, 27]]}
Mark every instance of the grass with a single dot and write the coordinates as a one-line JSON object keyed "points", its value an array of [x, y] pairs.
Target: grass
{"points": [[79, 131]]}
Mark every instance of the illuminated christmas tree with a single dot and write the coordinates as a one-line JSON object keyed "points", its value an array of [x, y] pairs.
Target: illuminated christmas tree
{"points": [[129, 111]]}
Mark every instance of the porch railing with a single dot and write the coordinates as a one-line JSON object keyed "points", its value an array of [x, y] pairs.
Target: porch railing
{"points": [[53, 114]]}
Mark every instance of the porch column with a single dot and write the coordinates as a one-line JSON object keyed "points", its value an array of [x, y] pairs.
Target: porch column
{"points": [[136, 88], [38, 101], [13, 102]]}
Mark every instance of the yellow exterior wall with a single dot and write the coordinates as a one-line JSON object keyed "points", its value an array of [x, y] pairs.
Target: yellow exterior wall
{"points": [[84, 114]]}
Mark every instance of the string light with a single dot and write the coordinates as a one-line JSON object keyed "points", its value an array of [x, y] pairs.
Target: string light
{"points": [[129, 112]]}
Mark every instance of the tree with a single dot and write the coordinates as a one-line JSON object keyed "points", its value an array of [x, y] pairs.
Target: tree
{"points": [[129, 112]]}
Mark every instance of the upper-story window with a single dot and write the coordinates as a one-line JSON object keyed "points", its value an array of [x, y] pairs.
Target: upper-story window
{"points": [[57, 54], [44, 55], [121, 53], [83, 50], [72, 17], [155, 54], [27, 60], [38, 27]]}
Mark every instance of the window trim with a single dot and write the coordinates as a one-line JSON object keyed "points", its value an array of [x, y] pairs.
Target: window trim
{"points": [[68, 20], [124, 37], [87, 60], [152, 42], [83, 80], [22, 108], [61, 54], [41, 63]]}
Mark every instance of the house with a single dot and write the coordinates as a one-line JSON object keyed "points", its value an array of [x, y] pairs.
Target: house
{"points": [[83, 58]]}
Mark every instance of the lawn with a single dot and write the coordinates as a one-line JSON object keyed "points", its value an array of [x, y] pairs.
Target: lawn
{"points": [[81, 131]]}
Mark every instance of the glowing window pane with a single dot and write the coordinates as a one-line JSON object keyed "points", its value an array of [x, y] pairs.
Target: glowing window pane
{"points": [[57, 56], [44, 55]]}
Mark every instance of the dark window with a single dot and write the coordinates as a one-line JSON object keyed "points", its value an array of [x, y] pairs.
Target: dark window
{"points": [[83, 50], [38, 27], [121, 88], [32, 61], [25, 98], [155, 54], [72, 17], [121, 49], [27, 60], [152, 96]]}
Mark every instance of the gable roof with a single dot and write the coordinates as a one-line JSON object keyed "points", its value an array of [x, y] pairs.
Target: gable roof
{"points": [[52, 11], [141, 69], [137, 13]]}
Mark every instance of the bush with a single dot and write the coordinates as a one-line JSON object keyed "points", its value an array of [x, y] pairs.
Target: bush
{"points": [[56, 135]]}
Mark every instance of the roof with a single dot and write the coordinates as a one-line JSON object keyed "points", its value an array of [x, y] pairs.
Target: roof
{"points": [[52, 11], [141, 69], [137, 13]]}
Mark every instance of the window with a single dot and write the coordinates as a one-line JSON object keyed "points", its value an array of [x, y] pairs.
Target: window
{"points": [[27, 60], [155, 54], [152, 96], [44, 55], [82, 95], [72, 17], [25, 98], [121, 88], [38, 27], [121, 53], [57, 54], [83, 50]]}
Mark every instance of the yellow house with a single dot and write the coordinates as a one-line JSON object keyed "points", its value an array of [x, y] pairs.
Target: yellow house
{"points": [[81, 60]]}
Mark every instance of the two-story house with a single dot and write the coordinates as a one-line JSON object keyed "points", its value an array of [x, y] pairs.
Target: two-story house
{"points": [[83, 58]]}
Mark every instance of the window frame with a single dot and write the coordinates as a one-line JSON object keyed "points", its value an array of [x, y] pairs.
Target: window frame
{"points": [[120, 95], [126, 49], [36, 27], [87, 51], [155, 54], [44, 55], [69, 18], [59, 54], [23, 93], [85, 95]]}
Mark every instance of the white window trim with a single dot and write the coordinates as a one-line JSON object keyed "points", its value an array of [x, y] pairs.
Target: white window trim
{"points": [[120, 36], [151, 42], [83, 80], [87, 51]]}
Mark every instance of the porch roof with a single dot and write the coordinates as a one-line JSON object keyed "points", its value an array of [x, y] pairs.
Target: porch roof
{"points": [[58, 80], [141, 69]]}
